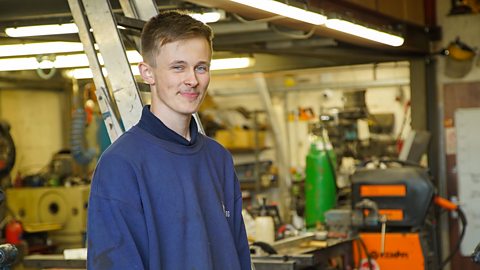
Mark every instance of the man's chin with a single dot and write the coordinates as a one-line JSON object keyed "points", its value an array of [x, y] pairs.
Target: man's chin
{"points": [[189, 112]]}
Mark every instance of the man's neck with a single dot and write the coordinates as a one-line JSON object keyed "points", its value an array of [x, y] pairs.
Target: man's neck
{"points": [[176, 122]]}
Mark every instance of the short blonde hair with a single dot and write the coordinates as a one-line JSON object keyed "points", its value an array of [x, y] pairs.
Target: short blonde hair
{"points": [[170, 26]]}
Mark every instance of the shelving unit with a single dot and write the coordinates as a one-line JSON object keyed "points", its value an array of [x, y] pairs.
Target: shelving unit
{"points": [[283, 183], [251, 172]]}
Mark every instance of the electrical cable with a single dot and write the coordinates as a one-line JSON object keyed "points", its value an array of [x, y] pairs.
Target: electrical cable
{"points": [[274, 28], [359, 257], [463, 220], [243, 20], [290, 35], [364, 247]]}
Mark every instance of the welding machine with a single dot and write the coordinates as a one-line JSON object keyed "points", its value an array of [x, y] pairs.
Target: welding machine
{"points": [[390, 206]]}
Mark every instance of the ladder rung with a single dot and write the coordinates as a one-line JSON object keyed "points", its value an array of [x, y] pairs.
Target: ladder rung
{"points": [[129, 23]]}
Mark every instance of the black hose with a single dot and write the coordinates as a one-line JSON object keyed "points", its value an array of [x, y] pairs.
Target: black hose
{"points": [[265, 247], [364, 247], [359, 250], [476, 255], [463, 219]]}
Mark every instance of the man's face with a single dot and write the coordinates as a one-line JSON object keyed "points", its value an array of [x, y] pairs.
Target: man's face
{"points": [[180, 77]]}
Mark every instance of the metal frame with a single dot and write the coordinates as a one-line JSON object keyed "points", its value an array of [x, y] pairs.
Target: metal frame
{"points": [[106, 106]]}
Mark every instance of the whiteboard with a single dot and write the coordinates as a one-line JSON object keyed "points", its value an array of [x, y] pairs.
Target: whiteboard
{"points": [[467, 126]]}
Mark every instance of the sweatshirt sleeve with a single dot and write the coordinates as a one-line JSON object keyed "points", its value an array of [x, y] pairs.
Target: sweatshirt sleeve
{"points": [[116, 231], [243, 248]]}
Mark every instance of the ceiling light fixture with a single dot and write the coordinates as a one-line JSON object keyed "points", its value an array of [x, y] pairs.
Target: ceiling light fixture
{"points": [[209, 17], [42, 30], [40, 48], [61, 61], [285, 10], [231, 63], [86, 73], [364, 32], [71, 28]]}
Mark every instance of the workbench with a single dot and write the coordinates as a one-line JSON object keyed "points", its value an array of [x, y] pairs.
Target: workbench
{"points": [[305, 252], [294, 253]]}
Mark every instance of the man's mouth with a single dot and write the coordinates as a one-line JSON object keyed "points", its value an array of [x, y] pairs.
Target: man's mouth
{"points": [[190, 95]]}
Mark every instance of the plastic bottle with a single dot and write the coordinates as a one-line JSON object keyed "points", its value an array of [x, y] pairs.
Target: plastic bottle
{"points": [[264, 226], [320, 186]]}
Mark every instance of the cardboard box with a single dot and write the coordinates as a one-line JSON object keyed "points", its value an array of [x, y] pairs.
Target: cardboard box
{"points": [[224, 137], [240, 138]]}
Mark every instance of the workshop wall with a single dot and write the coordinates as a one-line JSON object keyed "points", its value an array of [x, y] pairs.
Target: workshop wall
{"points": [[453, 94], [35, 117], [465, 27]]}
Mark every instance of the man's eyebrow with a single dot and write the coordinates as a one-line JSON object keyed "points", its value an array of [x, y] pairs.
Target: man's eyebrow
{"points": [[176, 62], [182, 62], [204, 63]]}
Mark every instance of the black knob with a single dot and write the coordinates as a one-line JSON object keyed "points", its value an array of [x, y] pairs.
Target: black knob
{"points": [[476, 255], [8, 254]]}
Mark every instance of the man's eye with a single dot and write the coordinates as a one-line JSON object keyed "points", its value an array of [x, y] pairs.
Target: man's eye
{"points": [[202, 68], [177, 67]]}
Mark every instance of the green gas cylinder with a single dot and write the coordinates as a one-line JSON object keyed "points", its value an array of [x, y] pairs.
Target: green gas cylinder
{"points": [[320, 186]]}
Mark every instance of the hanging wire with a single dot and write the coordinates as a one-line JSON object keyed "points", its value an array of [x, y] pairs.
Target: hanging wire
{"points": [[243, 20], [295, 36]]}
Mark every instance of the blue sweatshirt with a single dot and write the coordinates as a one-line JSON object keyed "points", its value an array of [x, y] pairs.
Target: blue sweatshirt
{"points": [[159, 201]]}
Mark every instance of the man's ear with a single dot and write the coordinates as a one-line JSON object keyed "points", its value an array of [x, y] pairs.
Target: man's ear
{"points": [[146, 72]]}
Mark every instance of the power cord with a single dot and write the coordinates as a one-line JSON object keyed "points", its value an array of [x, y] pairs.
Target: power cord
{"points": [[463, 220], [364, 247]]}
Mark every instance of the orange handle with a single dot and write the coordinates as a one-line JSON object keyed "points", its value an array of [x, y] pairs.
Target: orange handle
{"points": [[445, 204]]}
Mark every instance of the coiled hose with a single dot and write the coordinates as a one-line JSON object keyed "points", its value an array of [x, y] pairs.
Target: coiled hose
{"points": [[80, 154]]}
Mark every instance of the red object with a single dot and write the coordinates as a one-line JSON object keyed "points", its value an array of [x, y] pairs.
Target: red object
{"points": [[13, 232], [89, 114]]}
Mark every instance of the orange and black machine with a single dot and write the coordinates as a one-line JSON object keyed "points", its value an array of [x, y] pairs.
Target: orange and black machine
{"points": [[390, 207]]}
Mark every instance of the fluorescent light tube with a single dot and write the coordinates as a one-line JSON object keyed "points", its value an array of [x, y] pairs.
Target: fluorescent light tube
{"points": [[285, 10], [86, 73], [40, 48], [364, 32], [209, 17], [71, 28], [231, 63], [42, 30], [61, 61]]}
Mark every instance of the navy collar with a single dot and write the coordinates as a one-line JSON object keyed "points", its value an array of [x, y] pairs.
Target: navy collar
{"points": [[150, 123]]}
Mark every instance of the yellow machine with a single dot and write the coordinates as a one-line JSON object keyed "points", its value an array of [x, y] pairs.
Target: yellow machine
{"points": [[62, 211]]}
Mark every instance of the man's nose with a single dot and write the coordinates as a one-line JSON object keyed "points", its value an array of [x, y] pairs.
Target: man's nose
{"points": [[191, 78]]}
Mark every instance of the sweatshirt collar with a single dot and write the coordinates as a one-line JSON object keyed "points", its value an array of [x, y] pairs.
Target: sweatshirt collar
{"points": [[152, 124]]}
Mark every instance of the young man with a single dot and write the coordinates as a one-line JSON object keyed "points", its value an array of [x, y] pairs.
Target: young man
{"points": [[164, 196]]}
